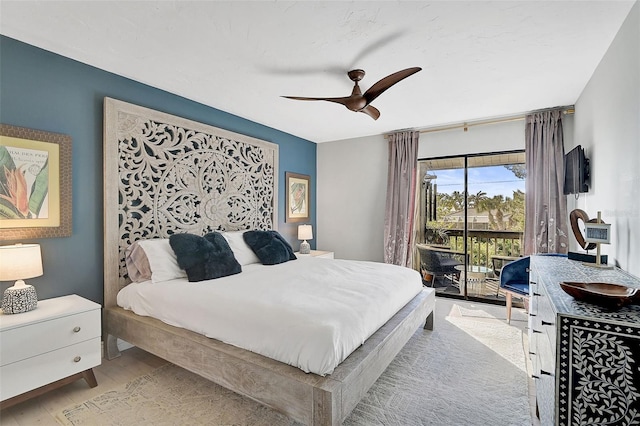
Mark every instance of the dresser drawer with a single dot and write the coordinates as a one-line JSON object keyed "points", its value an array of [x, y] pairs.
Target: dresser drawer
{"points": [[547, 319], [533, 321], [546, 356], [534, 343], [533, 302], [545, 379], [46, 336], [31, 373]]}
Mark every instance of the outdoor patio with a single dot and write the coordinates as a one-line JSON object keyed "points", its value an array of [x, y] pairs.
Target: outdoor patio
{"points": [[488, 290]]}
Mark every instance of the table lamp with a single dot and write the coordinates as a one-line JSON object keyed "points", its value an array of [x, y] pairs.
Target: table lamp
{"points": [[18, 262], [305, 232]]}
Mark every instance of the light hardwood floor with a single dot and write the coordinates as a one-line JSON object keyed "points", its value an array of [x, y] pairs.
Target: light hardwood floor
{"points": [[41, 410]]}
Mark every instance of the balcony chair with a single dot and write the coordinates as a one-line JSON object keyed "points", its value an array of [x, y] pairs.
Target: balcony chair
{"points": [[514, 280], [438, 262]]}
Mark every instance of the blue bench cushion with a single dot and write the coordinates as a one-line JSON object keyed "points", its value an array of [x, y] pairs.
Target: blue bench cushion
{"points": [[518, 287]]}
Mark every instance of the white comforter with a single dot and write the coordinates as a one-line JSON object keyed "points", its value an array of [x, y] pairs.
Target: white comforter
{"points": [[310, 313]]}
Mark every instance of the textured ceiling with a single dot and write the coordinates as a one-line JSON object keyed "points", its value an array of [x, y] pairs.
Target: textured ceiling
{"points": [[479, 59]]}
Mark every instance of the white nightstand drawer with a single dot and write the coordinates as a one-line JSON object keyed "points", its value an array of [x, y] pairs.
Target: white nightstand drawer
{"points": [[37, 338], [324, 254], [317, 253], [31, 373]]}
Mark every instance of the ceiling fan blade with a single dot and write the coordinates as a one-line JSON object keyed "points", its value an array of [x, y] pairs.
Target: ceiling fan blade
{"points": [[382, 85], [342, 101], [371, 111]]}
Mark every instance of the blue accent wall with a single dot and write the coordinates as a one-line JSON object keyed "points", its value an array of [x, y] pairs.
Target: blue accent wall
{"points": [[45, 91]]}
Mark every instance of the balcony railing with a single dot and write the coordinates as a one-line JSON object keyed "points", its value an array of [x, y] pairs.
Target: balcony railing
{"points": [[484, 244]]}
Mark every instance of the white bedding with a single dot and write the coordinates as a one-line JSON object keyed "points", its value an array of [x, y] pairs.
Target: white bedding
{"points": [[310, 313]]}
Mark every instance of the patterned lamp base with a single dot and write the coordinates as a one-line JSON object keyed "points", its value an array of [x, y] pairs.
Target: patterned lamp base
{"points": [[305, 247], [19, 299]]}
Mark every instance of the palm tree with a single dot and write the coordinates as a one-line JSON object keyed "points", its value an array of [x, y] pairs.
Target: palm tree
{"points": [[475, 200]]}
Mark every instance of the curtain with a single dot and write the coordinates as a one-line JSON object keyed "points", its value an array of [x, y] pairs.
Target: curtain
{"points": [[419, 214], [545, 204], [400, 206]]}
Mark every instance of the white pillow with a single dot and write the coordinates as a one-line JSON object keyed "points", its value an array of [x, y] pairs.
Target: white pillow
{"points": [[162, 260], [242, 252]]}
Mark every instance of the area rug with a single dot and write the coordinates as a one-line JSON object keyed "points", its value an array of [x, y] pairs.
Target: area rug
{"points": [[470, 370]]}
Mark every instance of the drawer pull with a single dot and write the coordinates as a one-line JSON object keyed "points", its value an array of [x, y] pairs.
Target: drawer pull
{"points": [[536, 331], [546, 373], [536, 294], [547, 323], [77, 359], [531, 353], [76, 329], [533, 282], [532, 315], [535, 377]]}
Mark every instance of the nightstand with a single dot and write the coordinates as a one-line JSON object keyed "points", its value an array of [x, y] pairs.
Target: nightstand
{"points": [[55, 344], [317, 253]]}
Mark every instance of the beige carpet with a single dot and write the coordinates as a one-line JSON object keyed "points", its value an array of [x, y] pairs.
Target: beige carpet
{"points": [[469, 371]]}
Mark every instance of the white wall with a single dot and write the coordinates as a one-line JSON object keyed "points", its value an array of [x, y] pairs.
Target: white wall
{"points": [[607, 125], [351, 194], [352, 183]]}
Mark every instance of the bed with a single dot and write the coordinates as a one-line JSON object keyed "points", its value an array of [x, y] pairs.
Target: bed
{"points": [[166, 175]]}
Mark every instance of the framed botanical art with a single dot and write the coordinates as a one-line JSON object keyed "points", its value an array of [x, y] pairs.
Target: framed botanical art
{"points": [[35, 184], [297, 197]]}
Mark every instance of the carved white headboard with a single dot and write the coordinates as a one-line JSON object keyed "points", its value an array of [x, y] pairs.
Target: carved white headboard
{"points": [[164, 174]]}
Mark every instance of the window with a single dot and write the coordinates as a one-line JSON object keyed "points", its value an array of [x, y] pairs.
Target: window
{"points": [[473, 206]]}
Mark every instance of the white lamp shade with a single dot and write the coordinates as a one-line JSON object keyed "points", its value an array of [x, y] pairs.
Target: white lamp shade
{"points": [[20, 261], [305, 232]]}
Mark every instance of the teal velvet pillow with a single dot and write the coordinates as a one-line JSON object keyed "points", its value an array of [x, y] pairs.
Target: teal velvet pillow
{"points": [[204, 258], [270, 247]]}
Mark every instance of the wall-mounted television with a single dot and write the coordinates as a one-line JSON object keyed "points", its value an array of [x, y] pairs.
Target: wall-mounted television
{"points": [[576, 171]]}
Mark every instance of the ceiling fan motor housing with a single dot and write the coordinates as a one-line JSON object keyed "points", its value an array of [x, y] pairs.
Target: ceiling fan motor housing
{"points": [[356, 75]]}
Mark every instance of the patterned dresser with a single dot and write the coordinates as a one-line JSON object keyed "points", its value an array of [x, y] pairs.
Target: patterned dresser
{"points": [[585, 359]]}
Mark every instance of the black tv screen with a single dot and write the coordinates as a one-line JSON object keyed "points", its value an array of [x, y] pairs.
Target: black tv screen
{"points": [[576, 171]]}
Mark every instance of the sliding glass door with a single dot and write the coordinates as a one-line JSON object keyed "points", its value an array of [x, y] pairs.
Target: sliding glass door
{"points": [[472, 213]]}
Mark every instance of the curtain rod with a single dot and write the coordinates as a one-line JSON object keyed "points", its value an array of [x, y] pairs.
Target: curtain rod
{"points": [[466, 125]]}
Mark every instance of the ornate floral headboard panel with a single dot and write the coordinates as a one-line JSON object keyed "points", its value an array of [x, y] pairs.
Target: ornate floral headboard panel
{"points": [[164, 174]]}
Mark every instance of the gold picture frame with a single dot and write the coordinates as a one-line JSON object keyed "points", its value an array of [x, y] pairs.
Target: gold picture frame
{"points": [[35, 184], [297, 197]]}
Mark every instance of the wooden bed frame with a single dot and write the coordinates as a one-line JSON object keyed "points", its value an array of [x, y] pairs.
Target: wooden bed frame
{"points": [[308, 398]]}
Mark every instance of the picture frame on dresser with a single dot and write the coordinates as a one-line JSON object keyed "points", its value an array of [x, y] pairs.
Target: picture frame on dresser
{"points": [[298, 189], [35, 184]]}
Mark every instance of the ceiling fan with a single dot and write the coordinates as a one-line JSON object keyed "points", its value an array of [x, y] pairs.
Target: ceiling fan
{"points": [[360, 102]]}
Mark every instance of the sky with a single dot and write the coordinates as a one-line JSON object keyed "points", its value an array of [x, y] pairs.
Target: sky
{"points": [[493, 180]]}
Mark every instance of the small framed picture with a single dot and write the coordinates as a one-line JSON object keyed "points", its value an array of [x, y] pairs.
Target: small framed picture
{"points": [[597, 232], [297, 197]]}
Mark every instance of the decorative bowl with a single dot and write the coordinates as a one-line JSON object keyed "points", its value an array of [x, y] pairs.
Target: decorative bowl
{"points": [[611, 296]]}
